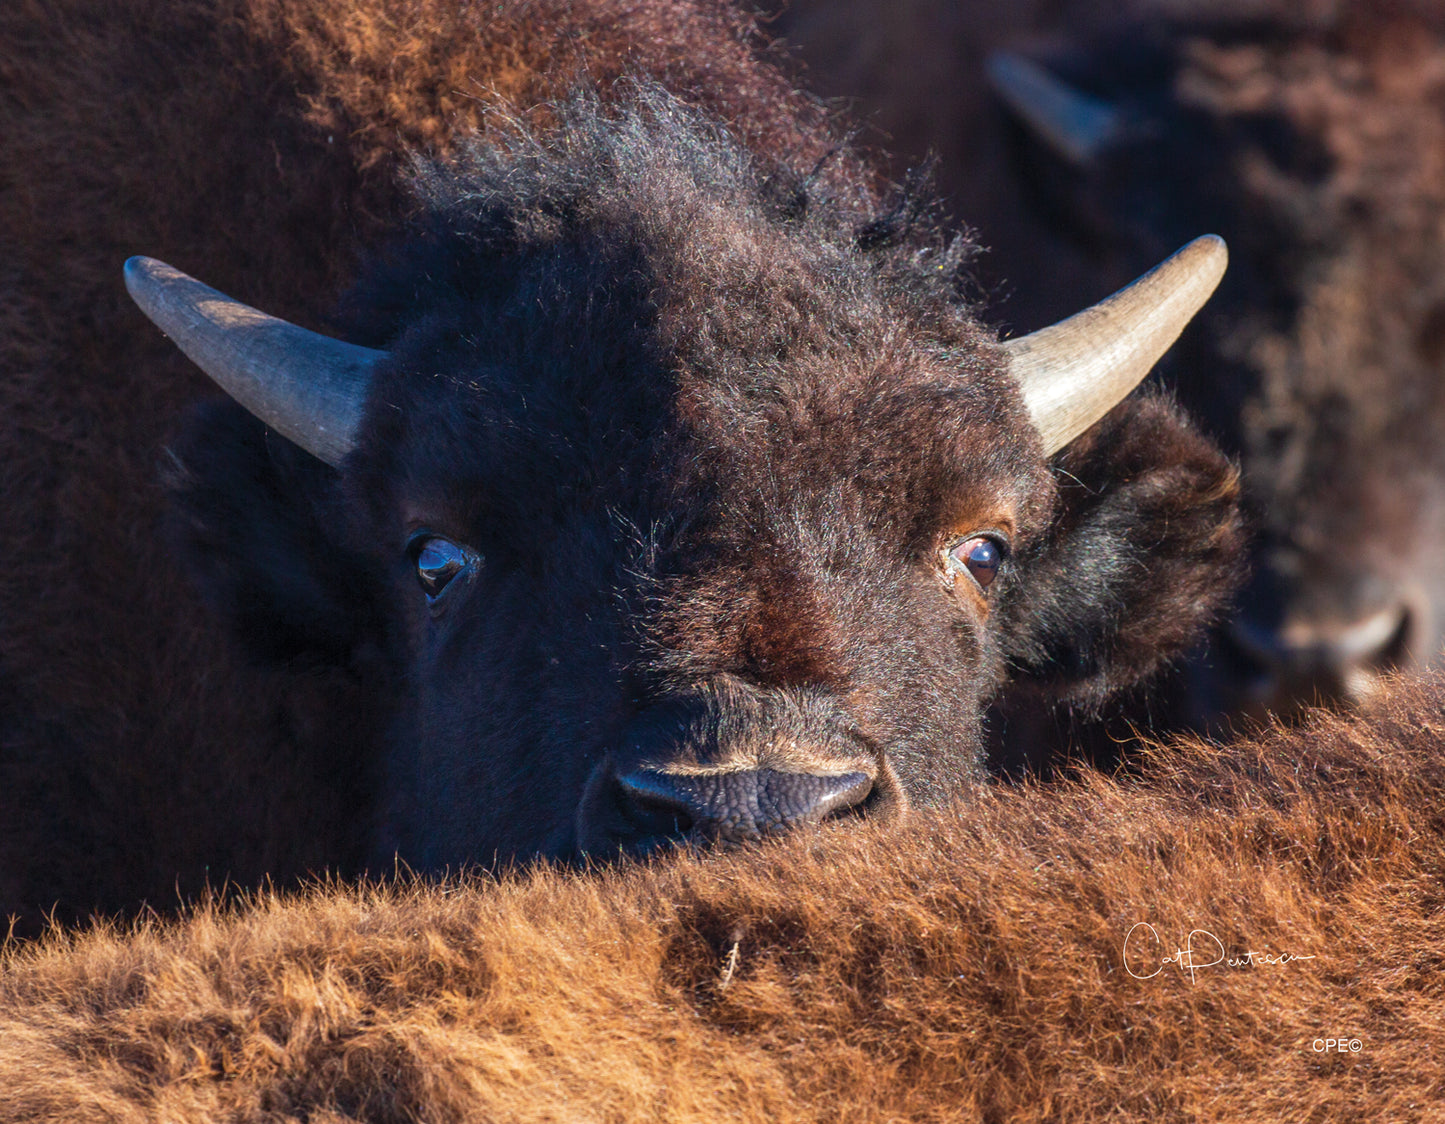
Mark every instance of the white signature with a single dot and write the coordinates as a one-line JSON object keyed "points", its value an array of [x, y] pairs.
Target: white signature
{"points": [[1199, 943]]}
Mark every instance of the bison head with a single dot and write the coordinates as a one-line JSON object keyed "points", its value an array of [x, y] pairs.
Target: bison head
{"points": [[672, 496]]}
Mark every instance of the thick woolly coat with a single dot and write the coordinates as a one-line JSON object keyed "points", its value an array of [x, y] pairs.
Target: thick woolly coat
{"points": [[972, 967]]}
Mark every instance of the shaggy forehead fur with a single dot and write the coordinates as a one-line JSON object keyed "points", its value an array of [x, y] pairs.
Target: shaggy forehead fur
{"points": [[646, 315], [693, 424]]}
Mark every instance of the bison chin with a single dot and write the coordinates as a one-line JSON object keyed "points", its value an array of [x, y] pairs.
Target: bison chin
{"points": [[727, 764]]}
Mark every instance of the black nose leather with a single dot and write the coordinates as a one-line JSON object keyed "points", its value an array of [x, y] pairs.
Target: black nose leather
{"points": [[734, 806]]}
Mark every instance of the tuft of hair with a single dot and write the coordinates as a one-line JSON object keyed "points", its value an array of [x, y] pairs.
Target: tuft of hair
{"points": [[641, 171]]}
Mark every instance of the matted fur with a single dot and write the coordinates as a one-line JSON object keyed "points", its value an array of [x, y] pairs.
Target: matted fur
{"points": [[967, 968]]}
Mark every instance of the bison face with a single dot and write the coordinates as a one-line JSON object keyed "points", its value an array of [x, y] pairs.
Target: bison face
{"points": [[666, 512], [1350, 579], [673, 607]]}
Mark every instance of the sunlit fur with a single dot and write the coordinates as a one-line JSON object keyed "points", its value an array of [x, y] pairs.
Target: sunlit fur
{"points": [[967, 966]]}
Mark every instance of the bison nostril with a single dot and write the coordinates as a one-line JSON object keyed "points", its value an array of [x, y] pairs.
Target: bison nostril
{"points": [[652, 808], [733, 806]]}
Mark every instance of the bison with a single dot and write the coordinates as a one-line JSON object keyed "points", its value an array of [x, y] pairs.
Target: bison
{"points": [[1249, 932], [653, 477], [1310, 136]]}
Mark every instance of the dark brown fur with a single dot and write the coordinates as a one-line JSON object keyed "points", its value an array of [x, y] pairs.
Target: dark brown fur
{"points": [[969, 967]]}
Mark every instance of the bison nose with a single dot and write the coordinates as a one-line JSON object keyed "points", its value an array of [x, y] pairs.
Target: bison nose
{"points": [[730, 807], [1307, 662]]}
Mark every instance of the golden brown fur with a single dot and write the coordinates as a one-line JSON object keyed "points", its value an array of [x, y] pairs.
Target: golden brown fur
{"points": [[966, 969]]}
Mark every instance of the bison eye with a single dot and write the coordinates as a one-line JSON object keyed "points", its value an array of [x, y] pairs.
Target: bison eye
{"points": [[438, 561], [979, 556]]}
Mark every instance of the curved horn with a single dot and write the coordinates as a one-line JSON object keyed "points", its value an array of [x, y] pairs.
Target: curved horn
{"points": [[1073, 124], [307, 387], [1074, 372]]}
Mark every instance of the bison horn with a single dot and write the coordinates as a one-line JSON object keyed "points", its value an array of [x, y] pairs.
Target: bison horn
{"points": [[1074, 372], [1073, 124], [307, 387]]}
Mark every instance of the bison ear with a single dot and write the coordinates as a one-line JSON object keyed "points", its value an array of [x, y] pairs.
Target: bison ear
{"points": [[1145, 548], [257, 523]]}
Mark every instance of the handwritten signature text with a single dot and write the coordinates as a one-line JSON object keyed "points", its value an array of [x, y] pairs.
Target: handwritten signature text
{"points": [[1201, 949]]}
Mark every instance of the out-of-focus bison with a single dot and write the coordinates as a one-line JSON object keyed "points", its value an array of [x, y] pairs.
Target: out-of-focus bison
{"points": [[666, 485], [1312, 137], [1249, 932]]}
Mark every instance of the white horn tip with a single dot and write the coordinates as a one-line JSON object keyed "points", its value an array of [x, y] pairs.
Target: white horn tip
{"points": [[1209, 257], [141, 272], [1075, 371], [138, 268]]}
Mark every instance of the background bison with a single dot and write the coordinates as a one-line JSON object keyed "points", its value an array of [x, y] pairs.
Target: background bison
{"points": [[671, 499], [968, 965], [1311, 137]]}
